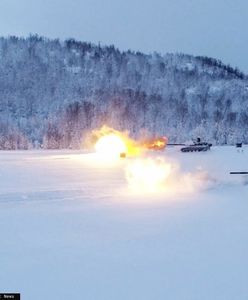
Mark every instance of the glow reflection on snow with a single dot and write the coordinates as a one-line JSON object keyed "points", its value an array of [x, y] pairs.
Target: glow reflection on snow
{"points": [[147, 174], [157, 176], [144, 176]]}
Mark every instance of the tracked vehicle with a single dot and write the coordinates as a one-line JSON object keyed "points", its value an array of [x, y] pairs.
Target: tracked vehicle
{"points": [[198, 146]]}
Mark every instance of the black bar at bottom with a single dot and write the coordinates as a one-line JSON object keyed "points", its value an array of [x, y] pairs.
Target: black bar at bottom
{"points": [[10, 296]]}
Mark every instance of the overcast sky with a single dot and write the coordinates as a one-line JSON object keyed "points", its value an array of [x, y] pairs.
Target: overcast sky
{"points": [[217, 28]]}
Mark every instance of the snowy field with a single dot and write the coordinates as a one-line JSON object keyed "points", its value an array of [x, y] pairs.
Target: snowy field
{"points": [[71, 228]]}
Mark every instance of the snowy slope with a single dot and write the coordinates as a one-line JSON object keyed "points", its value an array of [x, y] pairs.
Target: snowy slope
{"points": [[71, 229], [53, 93]]}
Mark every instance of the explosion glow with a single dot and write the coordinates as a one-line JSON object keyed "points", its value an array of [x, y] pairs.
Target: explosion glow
{"points": [[157, 143], [110, 145], [144, 174], [147, 175]]}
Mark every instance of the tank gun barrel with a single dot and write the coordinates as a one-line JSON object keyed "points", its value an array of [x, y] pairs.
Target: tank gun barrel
{"points": [[239, 173]]}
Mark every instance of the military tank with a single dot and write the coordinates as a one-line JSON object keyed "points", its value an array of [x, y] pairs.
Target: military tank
{"points": [[198, 146]]}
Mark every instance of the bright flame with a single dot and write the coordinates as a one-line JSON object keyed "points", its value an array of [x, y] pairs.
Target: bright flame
{"points": [[110, 145], [147, 175], [156, 143]]}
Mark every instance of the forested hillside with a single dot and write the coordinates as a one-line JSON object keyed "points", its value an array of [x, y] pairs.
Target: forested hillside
{"points": [[53, 93]]}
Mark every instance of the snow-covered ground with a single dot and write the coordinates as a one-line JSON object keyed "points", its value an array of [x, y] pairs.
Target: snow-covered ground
{"points": [[71, 228]]}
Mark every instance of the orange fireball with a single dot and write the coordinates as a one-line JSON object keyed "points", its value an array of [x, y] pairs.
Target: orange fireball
{"points": [[156, 144], [114, 143]]}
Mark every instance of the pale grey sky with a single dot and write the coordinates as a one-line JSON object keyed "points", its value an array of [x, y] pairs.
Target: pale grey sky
{"points": [[216, 28]]}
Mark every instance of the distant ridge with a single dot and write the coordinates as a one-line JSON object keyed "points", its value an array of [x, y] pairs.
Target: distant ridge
{"points": [[52, 93]]}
